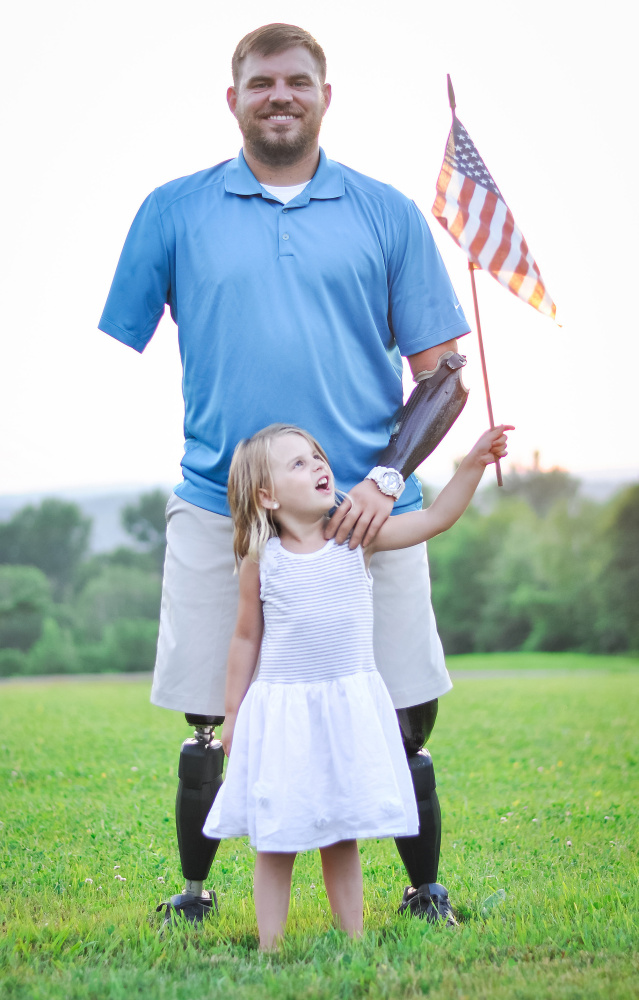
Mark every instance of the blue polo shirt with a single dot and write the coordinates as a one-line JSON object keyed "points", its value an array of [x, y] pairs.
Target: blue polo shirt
{"points": [[294, 313]]}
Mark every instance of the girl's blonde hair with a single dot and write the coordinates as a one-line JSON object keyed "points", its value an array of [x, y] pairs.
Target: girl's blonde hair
{"points": [[250, 472]]}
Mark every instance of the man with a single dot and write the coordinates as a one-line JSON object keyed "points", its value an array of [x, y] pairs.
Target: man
{"points": [[295, 283]]}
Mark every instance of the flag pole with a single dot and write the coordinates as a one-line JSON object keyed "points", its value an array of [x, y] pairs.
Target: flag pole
{"points": [[472, 268]]}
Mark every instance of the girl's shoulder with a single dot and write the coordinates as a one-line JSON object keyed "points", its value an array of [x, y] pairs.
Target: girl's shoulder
{"points": [[269, 558]]}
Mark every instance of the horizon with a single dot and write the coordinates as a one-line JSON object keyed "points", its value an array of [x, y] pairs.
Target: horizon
{"points": [[622, 477]]}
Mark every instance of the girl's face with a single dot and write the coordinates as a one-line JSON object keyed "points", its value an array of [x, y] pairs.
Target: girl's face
{"points": [[302, 480]]}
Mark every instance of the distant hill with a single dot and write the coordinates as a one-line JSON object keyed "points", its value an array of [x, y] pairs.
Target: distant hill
{"points": [[104, 507], [603, 485]]}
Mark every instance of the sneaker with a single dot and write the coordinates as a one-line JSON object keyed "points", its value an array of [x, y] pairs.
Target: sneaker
{"points": [[430, 901], [186, 906]]}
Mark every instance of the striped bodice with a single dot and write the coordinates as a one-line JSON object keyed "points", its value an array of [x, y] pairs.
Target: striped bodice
{"points": [[318, 613]]}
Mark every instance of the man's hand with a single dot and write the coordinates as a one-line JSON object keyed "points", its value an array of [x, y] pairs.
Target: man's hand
{"points": [[368, 510]]}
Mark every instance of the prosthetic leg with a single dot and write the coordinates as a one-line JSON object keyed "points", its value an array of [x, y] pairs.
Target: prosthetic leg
{"points": [[421, 424], [420, 854], [200, 774]]}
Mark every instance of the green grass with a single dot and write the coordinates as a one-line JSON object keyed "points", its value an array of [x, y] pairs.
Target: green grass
{"points": [[542, 661], [538, 784]]}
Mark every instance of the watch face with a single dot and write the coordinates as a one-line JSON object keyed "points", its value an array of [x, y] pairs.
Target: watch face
{"points": [[391, 481]]}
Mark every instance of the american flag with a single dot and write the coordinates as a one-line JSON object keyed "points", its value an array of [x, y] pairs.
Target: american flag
{"points": [[470, 206]]}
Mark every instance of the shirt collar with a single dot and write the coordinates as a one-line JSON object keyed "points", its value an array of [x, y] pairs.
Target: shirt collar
{"points": [[327, 181]]}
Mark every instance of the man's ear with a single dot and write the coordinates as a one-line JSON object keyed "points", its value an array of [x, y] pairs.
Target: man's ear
{"points": [[267, 501], [231, 99], [328, 93]]}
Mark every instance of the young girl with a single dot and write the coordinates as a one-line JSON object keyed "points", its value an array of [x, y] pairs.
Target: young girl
{"points": [[317, 759]]}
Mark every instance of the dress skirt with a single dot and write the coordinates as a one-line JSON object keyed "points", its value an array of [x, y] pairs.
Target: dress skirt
{"points": [[313, 763]]}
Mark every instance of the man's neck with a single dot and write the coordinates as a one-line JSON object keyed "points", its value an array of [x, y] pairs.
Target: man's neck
{"points": [[284, 176]]}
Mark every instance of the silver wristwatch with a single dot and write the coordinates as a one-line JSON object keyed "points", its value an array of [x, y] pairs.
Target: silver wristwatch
{"points": [[388, 481]]}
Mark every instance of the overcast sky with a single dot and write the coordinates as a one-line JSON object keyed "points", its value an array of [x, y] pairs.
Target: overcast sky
{"points": [[104, 101]]}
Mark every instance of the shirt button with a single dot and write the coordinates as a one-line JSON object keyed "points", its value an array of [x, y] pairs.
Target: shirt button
{"points": [[284, 236], [284, 211]]}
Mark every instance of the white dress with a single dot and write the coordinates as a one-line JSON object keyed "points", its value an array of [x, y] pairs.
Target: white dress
{"points": [[317, 755]]}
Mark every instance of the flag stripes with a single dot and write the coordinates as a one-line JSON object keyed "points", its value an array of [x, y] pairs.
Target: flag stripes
{"points": [[470, 206]]}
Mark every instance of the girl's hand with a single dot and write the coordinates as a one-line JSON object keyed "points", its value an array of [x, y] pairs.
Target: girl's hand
{"points": [[491, 445], [227, 734]]}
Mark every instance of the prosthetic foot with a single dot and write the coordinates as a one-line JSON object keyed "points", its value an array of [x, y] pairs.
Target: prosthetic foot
{"points": [[200, 774], [186, 906], [429, 901]]}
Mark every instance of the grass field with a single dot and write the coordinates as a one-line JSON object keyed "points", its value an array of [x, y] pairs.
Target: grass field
{"points": [[538, 782]]}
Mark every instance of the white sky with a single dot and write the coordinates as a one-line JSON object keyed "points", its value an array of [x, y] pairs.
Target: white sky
{"points": [[104, 101]]}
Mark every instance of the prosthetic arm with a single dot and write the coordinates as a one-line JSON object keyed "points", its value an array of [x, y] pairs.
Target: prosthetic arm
{"points": [[428, 415]]}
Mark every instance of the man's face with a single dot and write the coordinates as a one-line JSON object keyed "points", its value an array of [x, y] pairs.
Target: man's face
{"points": [[279, 104]]}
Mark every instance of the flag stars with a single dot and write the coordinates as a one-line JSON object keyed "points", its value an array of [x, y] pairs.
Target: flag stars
{"points": [[462, 156]]}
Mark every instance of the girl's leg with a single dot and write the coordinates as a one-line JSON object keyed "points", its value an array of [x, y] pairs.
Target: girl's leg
{"points": [[343, 880], [272, 895]]}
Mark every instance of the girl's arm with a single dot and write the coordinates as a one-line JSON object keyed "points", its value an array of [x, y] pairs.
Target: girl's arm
{"points": [[244, 649], [417, 526]]}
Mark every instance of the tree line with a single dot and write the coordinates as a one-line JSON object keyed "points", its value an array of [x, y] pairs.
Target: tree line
{"points": [[531, 566], [63, 610]]}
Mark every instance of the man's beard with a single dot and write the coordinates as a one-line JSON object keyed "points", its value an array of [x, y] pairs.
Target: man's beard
{"points": [[280, 150]]}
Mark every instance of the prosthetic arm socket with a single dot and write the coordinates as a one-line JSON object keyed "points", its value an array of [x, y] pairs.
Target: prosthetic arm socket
{"points": [[428, 415]]}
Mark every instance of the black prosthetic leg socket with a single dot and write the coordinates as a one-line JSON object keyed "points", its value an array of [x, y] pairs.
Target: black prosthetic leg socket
{"points": [[200, 774], [420, 854]]}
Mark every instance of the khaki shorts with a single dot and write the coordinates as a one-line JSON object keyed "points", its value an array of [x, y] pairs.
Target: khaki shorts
{"points": [[199, 605]]}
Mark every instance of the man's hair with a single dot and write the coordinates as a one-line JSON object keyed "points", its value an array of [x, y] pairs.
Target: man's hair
{"points": [[250, 472], [272, 38]]}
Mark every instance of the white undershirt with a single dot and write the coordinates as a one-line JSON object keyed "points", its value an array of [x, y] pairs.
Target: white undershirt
{"points": [[287, 193]]}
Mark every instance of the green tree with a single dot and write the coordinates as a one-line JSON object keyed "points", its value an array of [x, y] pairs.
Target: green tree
{"points": [[122, 556], [131, 644], [119, 592], [460, 561], [146, 522], [619, 578], [510, 579], [13, 662], [54, 537], [563, 602], [54, 652], [25, 600], [541, 490]]}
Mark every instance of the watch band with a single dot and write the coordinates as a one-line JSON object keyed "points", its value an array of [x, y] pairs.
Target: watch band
{"points": [[390, 482]]}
